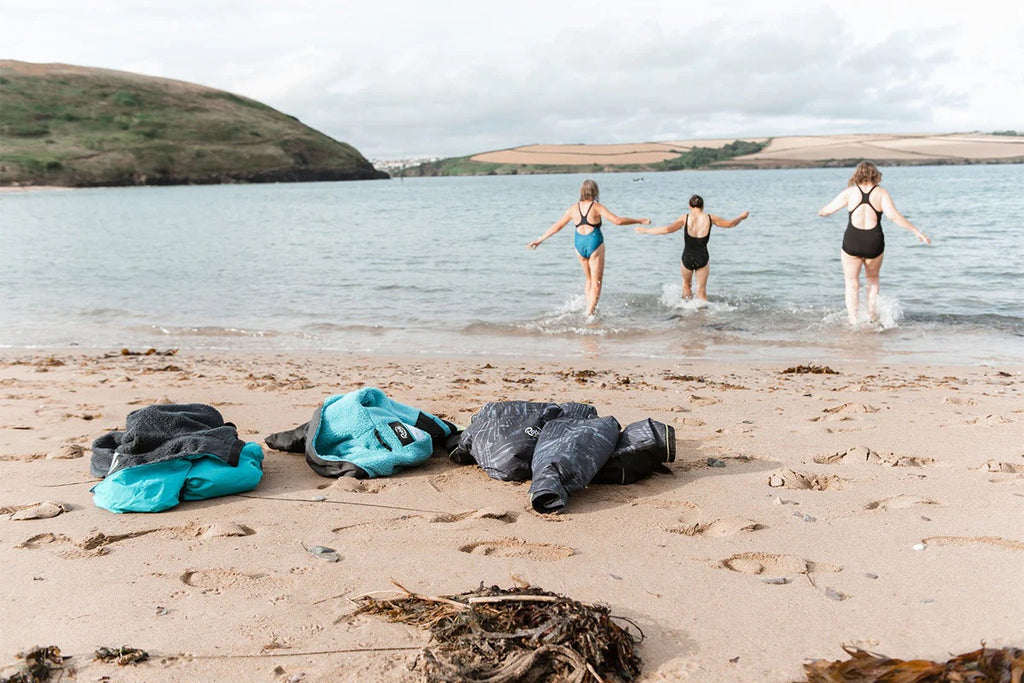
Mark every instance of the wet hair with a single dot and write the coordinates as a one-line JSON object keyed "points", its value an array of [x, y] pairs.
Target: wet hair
{"points": [[589, 191], [697, 202], [866, 173]]}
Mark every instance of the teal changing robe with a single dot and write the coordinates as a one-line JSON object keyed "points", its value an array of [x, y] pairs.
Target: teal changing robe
{"points": [[365, 434]]}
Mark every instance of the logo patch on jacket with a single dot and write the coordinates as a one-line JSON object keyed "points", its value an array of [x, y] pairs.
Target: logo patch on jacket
{"points": [[402, 432]]}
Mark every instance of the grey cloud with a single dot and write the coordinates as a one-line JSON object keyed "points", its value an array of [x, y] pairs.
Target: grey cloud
{"points": [[626, 89]]}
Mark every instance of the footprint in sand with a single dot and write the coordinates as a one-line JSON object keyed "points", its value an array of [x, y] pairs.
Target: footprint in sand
{"points": [[716, 528], [213, 581], [771, 563], [505, 516], [98, 544], [353, 485], [454, 479], [703, 400], [994, 541], [844, 412], [22, 457], [1000, 466], [517, 547], [858, 454], [668, 504], [792, 479], [900, 502], [226, 530], [66, 451], [989, 420], [44, 510]]}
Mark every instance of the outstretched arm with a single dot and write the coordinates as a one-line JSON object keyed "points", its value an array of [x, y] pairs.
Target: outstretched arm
{"points": [[555, 227], [889, 209], [663, 230], [618, 220], [834, 205], [722, 223]]}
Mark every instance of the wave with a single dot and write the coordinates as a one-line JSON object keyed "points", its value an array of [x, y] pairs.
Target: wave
{"points": [[206, 331]]}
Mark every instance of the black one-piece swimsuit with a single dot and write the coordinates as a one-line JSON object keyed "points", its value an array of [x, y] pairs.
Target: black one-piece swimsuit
{"points": [[695, 249], [860, 242]]}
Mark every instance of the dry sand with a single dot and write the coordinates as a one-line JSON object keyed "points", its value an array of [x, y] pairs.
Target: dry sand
{"points": [[889, 497], [786, 151]]}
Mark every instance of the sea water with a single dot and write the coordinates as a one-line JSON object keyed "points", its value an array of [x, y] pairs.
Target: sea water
{"points": [[440, 266]]}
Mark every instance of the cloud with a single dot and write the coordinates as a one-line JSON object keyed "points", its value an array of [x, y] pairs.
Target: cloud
{"points": [[455, 77]]}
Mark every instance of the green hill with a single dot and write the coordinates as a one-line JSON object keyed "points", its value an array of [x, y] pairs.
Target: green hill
{"points": [[76, 126]]}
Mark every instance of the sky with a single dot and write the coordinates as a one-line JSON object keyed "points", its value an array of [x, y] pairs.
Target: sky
{"points": [[423, 78]]}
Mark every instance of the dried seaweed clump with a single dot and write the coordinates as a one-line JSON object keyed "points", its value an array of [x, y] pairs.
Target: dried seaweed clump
{"points": [[809, 370], [986, 665], [122, 656], [40, 664], [518, 634]]}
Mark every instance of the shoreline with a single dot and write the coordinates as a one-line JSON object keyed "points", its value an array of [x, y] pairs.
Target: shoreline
{"points": [[896, 456], [604, 360], [738, 164]]}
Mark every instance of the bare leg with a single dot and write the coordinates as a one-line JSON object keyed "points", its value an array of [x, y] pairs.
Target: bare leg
{"points": [[586, 278], [687, 280], [701, 280], [872, 267], [851, 278], [596, 263]]}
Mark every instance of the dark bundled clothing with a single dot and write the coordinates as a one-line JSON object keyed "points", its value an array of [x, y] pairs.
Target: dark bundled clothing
{"points": [[160, 433], [642, 448], [562, 447], [502, 435], [569, 453]]}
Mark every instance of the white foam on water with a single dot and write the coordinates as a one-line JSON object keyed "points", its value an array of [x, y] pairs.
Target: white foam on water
{"points": [[889, 312], [672, 297]]}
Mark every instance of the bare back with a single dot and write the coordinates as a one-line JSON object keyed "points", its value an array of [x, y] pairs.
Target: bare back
{"points": [[864, 202], [698, 224], [586, 216]]}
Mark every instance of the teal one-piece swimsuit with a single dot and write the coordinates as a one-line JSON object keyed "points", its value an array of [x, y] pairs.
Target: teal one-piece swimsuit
{"points": [[587, 244]]}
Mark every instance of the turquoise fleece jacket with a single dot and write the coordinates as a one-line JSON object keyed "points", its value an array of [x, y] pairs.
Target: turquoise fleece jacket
{"points": [[372, 432]]}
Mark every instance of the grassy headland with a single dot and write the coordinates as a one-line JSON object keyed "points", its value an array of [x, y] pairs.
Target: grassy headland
{"points": [[76, 126]]}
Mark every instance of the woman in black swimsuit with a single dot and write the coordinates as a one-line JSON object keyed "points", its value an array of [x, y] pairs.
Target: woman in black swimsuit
{"points": [[863, 241], [695, 243]]}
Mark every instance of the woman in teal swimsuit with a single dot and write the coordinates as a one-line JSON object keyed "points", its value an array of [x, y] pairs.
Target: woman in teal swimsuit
{"points": [[587, 215]]}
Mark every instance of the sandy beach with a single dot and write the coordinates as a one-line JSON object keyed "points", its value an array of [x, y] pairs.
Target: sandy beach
{"points": [[888, 498]]}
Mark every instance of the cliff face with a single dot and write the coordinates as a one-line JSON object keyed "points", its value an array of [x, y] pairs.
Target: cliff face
{"points": [[76, 127]]}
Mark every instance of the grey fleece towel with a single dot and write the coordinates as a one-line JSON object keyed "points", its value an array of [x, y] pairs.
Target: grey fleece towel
{"points": [[166, 432]]}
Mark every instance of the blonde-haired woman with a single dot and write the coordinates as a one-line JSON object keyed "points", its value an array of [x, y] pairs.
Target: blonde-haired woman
{"points": [[863, 241], [589, 241]]}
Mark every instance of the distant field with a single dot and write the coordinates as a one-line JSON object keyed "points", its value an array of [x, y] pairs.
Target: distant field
{"points": [[953, 148]]}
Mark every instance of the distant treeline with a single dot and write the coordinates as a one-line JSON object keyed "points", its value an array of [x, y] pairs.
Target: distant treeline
{"points": [[695, 157], [702, 157]]}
